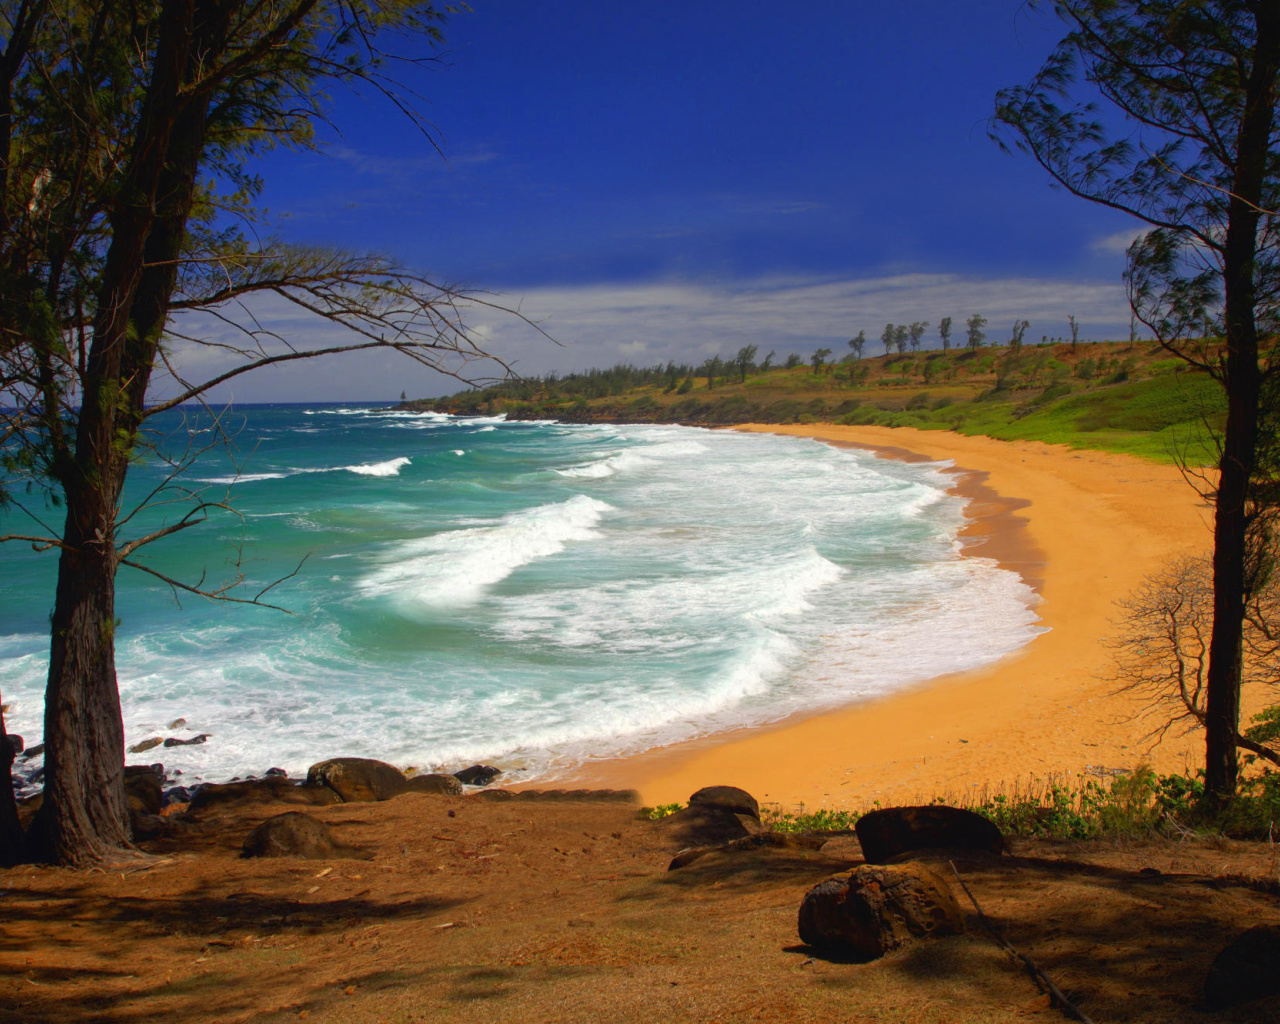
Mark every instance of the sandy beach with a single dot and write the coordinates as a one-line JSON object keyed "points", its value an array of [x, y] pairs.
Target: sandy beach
{"points": [[1083, 528]]}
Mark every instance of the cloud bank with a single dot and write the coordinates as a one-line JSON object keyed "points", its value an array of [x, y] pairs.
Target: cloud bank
{"points": [[601, 324]]}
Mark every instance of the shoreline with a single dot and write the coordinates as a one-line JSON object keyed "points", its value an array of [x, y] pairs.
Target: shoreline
{"points": [[1082, 528]]}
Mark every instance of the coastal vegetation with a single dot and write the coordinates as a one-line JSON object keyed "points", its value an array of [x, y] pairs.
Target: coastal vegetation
{"points": [[1110, 396]]}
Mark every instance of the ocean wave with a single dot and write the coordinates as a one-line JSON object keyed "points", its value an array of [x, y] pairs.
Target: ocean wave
{"points": [[454, 568], [391, 467], [241, 478]]}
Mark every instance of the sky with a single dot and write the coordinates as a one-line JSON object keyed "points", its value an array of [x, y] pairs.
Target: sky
{"points": [[676, 180]]}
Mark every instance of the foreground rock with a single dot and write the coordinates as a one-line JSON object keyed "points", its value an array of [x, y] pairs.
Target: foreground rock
{"points": [[441, 785], [144, 787], [1247, 969], [716, 815], [294, 834], [728, 798], [877, 908], [358, 779], [893, 831], [261, 791]]}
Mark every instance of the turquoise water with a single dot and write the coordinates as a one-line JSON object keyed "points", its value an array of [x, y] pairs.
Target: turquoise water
{"points": [[533, 595]]}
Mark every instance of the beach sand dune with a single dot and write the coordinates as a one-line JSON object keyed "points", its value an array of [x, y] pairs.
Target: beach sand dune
{"points": [[1083, 528]]}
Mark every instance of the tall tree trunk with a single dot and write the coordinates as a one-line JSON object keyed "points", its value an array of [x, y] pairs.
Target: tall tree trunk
{"points": [[84, 817], [1243, 382], [11, 839]]}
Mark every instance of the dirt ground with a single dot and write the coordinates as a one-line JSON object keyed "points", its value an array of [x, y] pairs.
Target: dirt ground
{"points": [[472, 910]]}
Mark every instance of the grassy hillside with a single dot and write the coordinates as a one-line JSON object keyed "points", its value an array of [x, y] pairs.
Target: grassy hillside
{"points": [[1109, 396]]}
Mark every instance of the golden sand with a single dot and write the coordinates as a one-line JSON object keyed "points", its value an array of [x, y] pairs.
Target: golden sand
{"points": [[1083, 528]]}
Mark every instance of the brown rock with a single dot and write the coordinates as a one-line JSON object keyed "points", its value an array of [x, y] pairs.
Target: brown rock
{"points": [[295, 834], [729, 798], [358, 779], [261, 791], [1248, 968], [443, 785], [145, 745], [877, 908], [886, 833], [704, 825], [144, 791]]}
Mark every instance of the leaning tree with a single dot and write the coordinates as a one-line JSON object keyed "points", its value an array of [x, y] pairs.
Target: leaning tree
{"points": [[127, 133], [1166, 110]]}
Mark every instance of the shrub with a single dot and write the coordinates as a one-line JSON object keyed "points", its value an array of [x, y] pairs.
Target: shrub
{"points": [[919, 401]]}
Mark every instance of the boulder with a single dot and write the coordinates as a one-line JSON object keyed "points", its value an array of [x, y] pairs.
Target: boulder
{"points": [[443, 785], [173, 741], [358, 779], [706, 825], [730, 798], [178, 723], [876, 908], [887, 833], [276, 772], [294, 834], [478, 775], [144, 790], [261, 791], [1248, 968], [145, 745], [15, 744], [35, 751]]}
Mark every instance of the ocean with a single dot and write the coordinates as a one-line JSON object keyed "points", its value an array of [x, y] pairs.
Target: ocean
{"points": [[533, 595]]}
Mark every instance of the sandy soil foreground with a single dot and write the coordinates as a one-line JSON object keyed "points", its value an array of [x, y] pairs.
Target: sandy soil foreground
{"points": [[1084, 528]]}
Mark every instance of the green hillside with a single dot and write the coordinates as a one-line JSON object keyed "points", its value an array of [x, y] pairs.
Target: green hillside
{"points": [[1110, 396]]}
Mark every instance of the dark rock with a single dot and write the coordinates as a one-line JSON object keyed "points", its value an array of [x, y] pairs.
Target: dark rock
{"points": [[27, 808], [15, 744], [295, 834], [145, 745], [1248, 968], [35, 751], [277, 773], [703, 825], [177, 795], [730, 798], [173, 741], [478, 775], [443, 785], [877, 908], [358, 779], [144, 791], [261, 791], [156, 769], [886, 833]]}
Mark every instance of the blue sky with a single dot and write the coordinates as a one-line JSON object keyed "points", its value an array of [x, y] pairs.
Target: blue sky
{"points": [[672, 180]]}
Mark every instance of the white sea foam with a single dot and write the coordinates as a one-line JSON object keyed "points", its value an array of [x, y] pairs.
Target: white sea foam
{"points": [[454, 568], [241, 478], [729, 580], [391, 467]]}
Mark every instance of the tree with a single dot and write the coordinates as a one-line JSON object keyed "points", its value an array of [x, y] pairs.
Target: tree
{"points": [[888, 337], [1163, 639], [1074, 324], [768, 362], [1199, 83], [744, 360], [1019, 330], [818, 359], [125, 136], [713, 368], [793, 360], [900, 334], [944, 332], [973, 328], [857, 343], [916, 331]]}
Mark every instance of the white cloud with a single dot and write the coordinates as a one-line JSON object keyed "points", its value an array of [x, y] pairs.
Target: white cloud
{"points": [[598, 325], [1118, 243]]}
